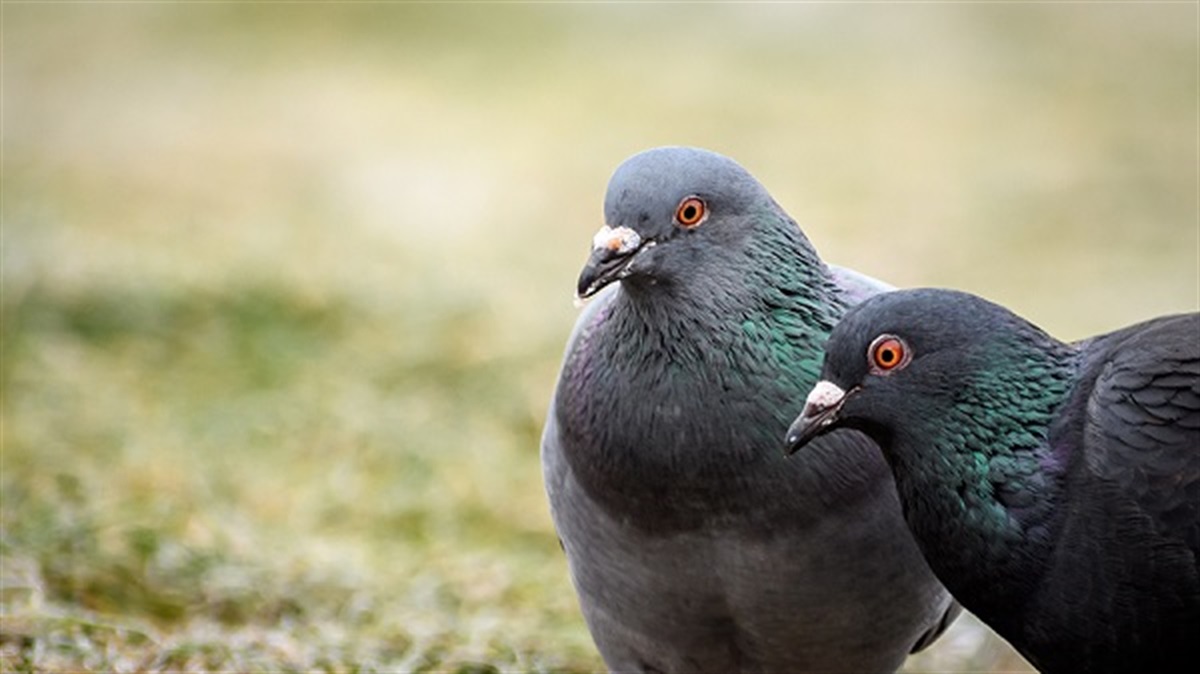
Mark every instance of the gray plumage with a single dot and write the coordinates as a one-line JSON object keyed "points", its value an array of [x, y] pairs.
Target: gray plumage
{"points": [[692, 543], [1054, 488]]}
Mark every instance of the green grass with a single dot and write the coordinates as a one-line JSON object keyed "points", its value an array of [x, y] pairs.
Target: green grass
{"points": [[285, 289], [225, 464]]}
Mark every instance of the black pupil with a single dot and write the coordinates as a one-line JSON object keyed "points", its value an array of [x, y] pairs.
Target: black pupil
{"points": [[887, 355], [689, 212]]}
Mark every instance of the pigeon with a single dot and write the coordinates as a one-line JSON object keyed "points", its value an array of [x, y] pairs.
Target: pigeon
{"points": [[693, 544], [1054, 488]]}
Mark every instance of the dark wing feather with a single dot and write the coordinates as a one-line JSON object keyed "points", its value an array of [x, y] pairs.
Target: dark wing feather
{"points": [[1143, 421]]}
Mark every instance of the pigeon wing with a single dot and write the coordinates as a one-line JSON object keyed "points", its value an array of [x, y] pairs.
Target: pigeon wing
{"points": [[856, 286], [1143, 422]]}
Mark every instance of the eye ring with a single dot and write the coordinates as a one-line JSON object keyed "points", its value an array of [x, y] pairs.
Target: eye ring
{"points": [[690, 212], [888, 353]]}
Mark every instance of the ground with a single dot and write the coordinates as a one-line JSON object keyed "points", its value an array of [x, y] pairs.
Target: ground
{"points": [[285, 289]]}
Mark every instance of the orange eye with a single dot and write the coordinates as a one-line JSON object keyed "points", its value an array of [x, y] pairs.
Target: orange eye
{"points": [[691, 212], [888, 353]]}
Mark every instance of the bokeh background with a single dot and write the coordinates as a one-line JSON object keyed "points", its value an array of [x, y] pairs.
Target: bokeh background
{"points": [[285, 286]]}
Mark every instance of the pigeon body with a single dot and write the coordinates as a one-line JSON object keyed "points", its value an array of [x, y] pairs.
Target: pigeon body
{"points": [[1054, 488], [693, 545]]}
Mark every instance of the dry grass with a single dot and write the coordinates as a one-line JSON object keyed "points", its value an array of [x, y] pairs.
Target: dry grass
{"points": [[284, 288]]}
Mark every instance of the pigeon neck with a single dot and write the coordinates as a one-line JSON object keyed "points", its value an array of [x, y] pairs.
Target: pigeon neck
{"points": [[983, 497], [677, 403], [766, 313]]}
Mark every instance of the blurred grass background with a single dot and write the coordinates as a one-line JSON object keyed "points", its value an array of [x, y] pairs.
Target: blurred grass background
{"points": [[285, 286]]}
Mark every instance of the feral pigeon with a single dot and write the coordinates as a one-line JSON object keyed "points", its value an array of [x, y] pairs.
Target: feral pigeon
{"points": [[1054, 488], [694, 545]]}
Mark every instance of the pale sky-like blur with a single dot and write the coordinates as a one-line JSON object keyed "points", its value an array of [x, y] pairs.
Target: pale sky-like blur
{"points": [[1044, 155], [286, 285]]}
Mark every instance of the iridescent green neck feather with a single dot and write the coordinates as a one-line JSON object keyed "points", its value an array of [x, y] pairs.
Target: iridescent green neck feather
{"points": [[719, 361], [981, 469], [765, 307]]}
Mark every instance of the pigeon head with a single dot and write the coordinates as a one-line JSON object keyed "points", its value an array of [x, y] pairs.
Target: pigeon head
{"points": [[910, 357], [669, 213]]}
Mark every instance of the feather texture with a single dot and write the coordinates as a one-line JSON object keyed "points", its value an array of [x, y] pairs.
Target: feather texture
{"points": [[692, 543], [1054, 488]]}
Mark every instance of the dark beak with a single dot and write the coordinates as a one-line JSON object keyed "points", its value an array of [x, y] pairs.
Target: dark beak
{"points": [[820, 415], [613, 249], [602, 268]]}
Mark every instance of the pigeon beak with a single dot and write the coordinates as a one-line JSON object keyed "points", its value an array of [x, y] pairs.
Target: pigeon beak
{"points": [[820, 413], [613, 250]]}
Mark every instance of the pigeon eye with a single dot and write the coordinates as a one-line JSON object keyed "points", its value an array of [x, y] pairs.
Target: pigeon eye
{"points": [[691, 212], [887, 353]]}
